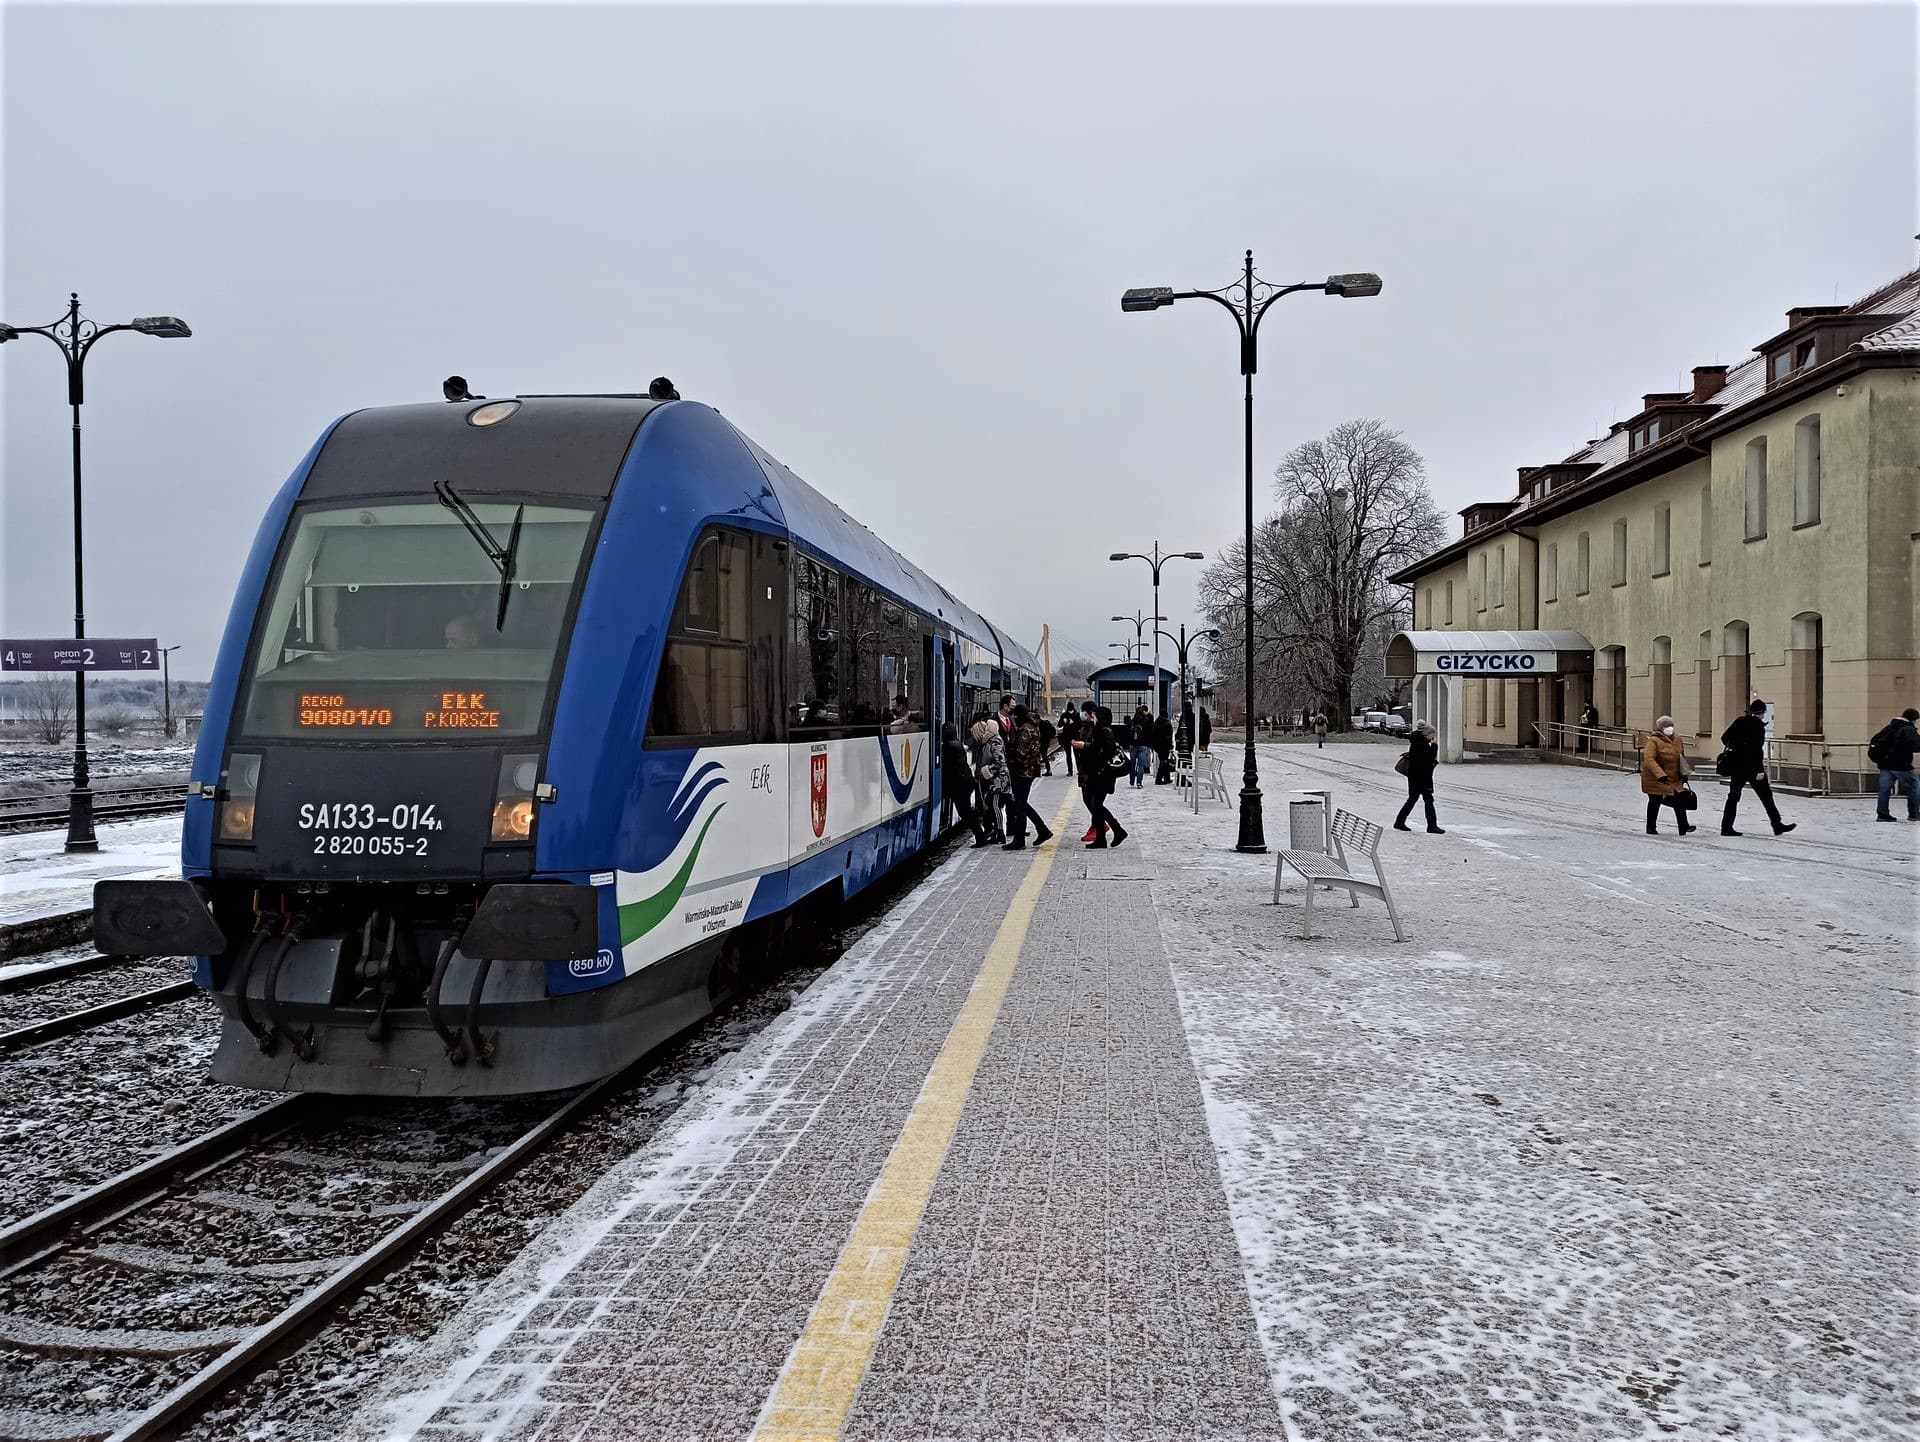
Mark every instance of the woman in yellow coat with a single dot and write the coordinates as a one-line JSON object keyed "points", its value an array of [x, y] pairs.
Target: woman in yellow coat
{"points": [[1663, 773]]}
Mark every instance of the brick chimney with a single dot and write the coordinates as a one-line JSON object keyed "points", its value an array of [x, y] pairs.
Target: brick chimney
{"points": [[1661, 398], [1707, 381]]}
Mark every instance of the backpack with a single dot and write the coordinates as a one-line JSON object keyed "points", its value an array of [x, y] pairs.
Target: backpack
{"points": [[1877, 747], [1047, 733]]}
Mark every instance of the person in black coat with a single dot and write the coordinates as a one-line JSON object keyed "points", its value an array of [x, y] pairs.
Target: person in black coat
{"points": [[1163, 749], [1206, 730], [1892, 749], [1067, 728], [956, 769], [1746, 761], [1422, 754], [1098, 746]]}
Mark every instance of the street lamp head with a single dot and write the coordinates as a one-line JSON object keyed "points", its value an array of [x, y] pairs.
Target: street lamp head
{"points": [[1360, 283], [8, 333], [1120, 618], [1195, 555], [1211, 635], [1147, 297], [167, 327], [1120, 556]]}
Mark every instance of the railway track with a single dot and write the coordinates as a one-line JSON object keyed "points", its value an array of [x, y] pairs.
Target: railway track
{"points": [[28, 813], [40, 1005], [80, 1280]]}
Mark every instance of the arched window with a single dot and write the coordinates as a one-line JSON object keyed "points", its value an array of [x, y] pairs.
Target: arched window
{"points": [[1736, 685], [1806, 675], [1662, 675], [1613, 660], [1703, 686]]}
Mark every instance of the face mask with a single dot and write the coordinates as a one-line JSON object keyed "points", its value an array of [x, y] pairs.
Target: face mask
{"points": [[1666, 731]]}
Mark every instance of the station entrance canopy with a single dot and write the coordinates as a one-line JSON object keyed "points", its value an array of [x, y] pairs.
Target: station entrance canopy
{"points": [[1488, 653]]}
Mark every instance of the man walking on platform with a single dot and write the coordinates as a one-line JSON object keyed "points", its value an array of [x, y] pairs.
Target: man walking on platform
{"points": [[1746, 762], [1140, 745], [1026, 753], [1892, 750], [1320, 730], [1066, 730]]}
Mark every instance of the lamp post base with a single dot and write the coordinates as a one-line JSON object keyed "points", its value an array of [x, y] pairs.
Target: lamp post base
{"points": [[1253, 836], [80, 835]]}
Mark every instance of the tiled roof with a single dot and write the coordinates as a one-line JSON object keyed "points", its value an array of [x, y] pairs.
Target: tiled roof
{"points": [[1748, 379], [1745, 382]]}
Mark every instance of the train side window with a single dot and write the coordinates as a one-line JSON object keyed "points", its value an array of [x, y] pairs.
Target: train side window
{"points": [[702, 688], [814, 658]]}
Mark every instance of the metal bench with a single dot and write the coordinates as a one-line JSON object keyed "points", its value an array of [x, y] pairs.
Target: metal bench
{"points": [[1320, 868], [1214, 778]]}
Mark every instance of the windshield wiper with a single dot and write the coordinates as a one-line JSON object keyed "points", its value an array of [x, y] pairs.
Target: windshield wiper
{"points": [[501, 556], [506, 570]]}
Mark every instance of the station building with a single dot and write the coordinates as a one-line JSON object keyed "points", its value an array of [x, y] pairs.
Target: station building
{"points": [[1757, 535]]}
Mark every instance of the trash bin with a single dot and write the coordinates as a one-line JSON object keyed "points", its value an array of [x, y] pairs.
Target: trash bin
{"points": [[1307, 825]]}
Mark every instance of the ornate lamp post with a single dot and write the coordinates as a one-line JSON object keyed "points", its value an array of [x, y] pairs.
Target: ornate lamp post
{"points": [[1247, 300], [76, 337], [1157, 559], [1181, 645]]}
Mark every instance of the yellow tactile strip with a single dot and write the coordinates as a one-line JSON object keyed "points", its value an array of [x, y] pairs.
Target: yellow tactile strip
{"points": [[822, 1374]]}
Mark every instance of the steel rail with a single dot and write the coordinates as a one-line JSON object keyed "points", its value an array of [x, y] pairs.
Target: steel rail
{"points": [[309, 1312], [36, 1032], [54, 971], [146, 1182], [133, 806]]}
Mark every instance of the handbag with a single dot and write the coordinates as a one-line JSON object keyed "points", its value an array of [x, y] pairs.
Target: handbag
{"points": [[1723, 763], [1400, 763], [1118, 762], [1684, 799]]}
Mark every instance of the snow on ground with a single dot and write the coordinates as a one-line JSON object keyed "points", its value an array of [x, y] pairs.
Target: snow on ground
{"points": [[725, 1112], [27, 769], [1619, 1145], [38, 878]]}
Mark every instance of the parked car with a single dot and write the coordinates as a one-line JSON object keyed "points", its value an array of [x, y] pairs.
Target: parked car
{"points": [[1396, 724], [1374, 721]]}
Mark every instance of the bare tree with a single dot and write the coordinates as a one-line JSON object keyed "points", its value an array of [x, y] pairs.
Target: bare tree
{"points": [[1354, 508], [46, 705], [116, 718]]}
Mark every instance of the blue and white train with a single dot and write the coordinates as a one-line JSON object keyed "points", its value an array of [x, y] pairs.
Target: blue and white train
{"points": [[535, 721]]}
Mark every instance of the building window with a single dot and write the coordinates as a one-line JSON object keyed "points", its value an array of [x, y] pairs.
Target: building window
{"points": [[1480, 701], [1582, 558], [1806, 472], [1642, 436], [1620, 552], [1789, 361], [1480, 591], [1500, 577], [1706, 525], [1756, 516], [1550, 575], [1499, 702], [1449, 601], [1662, 540]]}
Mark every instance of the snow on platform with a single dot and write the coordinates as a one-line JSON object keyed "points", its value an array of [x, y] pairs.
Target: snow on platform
{"points": [[1619, 1145], [40, 881]]}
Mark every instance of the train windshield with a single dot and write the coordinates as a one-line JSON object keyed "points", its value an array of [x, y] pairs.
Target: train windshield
{"points": [[396, 621]]}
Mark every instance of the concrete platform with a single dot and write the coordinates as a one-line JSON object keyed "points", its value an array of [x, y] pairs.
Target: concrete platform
{"points": [[1089, 1145], [46, 893]]}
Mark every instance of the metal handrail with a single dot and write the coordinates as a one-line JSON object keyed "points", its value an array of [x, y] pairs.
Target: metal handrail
{"points": [[1805, 766]]}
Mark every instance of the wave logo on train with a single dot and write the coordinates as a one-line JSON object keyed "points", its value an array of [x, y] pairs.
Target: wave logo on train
{"points": [[669, 878], [901, 789]]}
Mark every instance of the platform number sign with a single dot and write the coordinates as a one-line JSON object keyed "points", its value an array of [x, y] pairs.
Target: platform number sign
{"points": [[95, 653]]}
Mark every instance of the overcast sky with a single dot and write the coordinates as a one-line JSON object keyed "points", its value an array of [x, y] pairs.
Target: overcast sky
{"points": [[889, 243]]}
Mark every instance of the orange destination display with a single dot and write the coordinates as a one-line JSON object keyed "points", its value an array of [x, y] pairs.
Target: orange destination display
{"points": [[333, 711], [462, 711]]}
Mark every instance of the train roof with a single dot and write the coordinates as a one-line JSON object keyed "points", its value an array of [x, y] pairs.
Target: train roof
{"points": [[576, 444]]}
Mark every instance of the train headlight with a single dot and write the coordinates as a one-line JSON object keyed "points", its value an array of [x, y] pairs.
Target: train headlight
{"points": [[239, 788], [513, 795]]}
